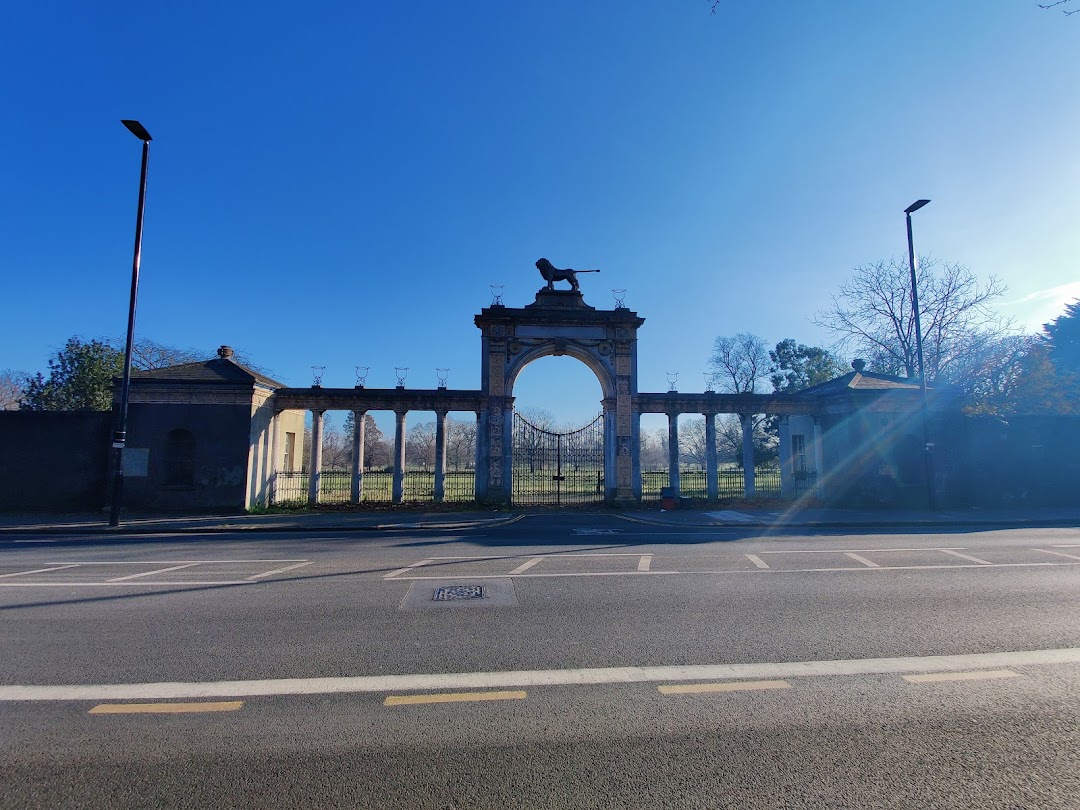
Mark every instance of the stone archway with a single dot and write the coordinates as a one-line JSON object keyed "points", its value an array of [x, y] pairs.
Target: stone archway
{"points": [[558, 323]]}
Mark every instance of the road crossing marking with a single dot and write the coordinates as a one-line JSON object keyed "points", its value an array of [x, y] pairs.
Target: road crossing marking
{"points": [[955, 553], [756, 560], [727, 686], [151, 573], [1058, 553], [408, 568], [280, 570], [860, 559], [525, 566], [38, 571], [941, 677], [456, 697], [166, 708], [644, 562]]}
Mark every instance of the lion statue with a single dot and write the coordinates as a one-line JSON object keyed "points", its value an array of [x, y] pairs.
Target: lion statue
{"points": [[551, 274]]}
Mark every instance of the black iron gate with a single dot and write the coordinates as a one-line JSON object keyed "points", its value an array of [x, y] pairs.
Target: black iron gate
{"points": [[558, 468]]}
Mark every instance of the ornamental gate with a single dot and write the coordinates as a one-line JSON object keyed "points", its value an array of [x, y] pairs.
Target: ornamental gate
{"points": [[558, 468]]}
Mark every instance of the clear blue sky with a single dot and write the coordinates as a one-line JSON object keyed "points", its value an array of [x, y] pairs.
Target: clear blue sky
{"points": [[338, 183]]}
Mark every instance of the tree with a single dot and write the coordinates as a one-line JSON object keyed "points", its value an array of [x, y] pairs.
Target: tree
{"points": [[12, 385], [794, 366], [147, 355], [1062, 338], [1045, 6], [80, 378], [741, 362], [420, 445], [872, 316], [460, 443], [378, 452]]}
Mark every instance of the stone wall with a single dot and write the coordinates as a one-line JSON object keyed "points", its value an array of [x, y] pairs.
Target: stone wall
{"points": [[54, 461]]}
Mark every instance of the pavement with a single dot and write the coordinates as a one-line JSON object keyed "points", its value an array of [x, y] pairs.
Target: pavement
{"points": [[404, 519]]}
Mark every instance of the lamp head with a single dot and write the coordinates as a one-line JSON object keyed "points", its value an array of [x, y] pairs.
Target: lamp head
{"points": [[915, 206], [137, 129]]}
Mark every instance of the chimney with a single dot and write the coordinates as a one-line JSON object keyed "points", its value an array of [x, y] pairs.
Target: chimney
{"points": [[858, 364], [225, 352]]}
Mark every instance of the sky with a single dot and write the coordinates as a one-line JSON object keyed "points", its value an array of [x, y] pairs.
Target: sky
{"points": [[339, 183]]}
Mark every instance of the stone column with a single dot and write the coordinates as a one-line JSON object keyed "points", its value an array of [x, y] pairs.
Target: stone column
{"points": [[787, 472], [673, 452], [440, 456], [275, 448], [747, 420], [711, 484], [479, 487], [359, 429], [399, 457], [819, 457], [315, 457]]}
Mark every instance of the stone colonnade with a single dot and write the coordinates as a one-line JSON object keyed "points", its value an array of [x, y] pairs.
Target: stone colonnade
{"points": [[710, 404], [360, 402]]}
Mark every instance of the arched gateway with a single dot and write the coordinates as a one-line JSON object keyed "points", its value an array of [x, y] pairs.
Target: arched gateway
{"points": [[558, 323]]}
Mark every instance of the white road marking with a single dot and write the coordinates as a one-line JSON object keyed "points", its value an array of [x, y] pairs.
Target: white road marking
{"points": [[407, 568], [280, 570], [163, 562], [756, 560], [856, 550], [37, 571], [1067, 545], [522, 679], [525, 566], [940, 677], [141, 582], [860, 559], [733, 571], [151, 573], [644, 562], [1058, 553], [955, 553]]}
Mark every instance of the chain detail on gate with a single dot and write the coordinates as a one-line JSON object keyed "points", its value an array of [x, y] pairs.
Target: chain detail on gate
{"points": [[558, 468]]}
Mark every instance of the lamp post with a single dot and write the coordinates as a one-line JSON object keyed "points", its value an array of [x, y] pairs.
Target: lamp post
{"points": [[120, 436], [928, 454]]}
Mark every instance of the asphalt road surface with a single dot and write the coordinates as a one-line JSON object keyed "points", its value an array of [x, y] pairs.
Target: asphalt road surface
{"points": [[558, 660]]}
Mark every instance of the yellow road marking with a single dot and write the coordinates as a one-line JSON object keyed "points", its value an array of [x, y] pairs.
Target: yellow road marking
{"points": [[726, 686], [451, 697], [166, 708], [984, 675]]}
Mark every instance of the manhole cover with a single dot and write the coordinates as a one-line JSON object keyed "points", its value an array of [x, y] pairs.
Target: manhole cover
{"points": [[450, 593]]}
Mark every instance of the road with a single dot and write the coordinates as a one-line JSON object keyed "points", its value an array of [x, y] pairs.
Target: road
{"points": [[573, 660]]}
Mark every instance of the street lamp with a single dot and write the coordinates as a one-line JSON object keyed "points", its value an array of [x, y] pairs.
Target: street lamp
{"points": [[120, 436], [931, 498]]}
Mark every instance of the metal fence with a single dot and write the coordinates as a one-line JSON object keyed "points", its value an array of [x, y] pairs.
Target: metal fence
{"points": [[335, 486], [729, 483]]}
